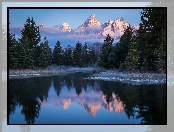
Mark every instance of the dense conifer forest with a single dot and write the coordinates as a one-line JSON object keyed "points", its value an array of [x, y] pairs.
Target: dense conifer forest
{"points": [[144, 50]]}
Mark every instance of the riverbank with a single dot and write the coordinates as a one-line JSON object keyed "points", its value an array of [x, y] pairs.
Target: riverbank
{"points": [[96, 74], [133, 78], [50, 71]]}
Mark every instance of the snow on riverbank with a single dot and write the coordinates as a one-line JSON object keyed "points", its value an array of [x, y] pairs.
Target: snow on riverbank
{"points": [[139, 78], [52, 70], [107, 75]]}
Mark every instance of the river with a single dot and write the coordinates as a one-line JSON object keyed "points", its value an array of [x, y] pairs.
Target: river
{"points": [[70, 99]]}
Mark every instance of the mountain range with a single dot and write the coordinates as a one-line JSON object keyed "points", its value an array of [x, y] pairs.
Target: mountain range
{"points": [[91, 28]]}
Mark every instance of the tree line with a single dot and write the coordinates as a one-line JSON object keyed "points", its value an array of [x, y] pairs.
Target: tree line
{"points": [[143, 50]]}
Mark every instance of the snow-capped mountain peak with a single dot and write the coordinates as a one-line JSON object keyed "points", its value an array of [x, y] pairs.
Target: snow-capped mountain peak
{"points": [[92, 16], [92, 20], [65, 27], [92, 29]]}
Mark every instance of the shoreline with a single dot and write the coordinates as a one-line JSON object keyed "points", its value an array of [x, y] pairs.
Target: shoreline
{"points": [[131, 78], [46, 72], [106, 75]]}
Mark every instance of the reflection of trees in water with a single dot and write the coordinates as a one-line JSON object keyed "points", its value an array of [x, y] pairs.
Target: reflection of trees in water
{"points": [[78, 83], [28, 93], [148, 102], [141, 101], [152, 105], [145, 102], [170, 109], [106, 88], [58, 83], [30, 109], [68, 81], [13, 102]]}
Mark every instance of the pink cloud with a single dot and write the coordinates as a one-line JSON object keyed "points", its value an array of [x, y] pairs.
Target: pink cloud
{"points": [[54, 34]]}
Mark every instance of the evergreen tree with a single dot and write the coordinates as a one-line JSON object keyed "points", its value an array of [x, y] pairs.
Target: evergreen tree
{"points": [[111, 60], [24, 55], [160, 53], [44, 57], [13, 52], [142, 40], [116, 51], [122, 47], [68, 56], [31, 34], [85, 55], [92, 57], [132, 59], [106, 49], [65, 56], [153, 25], [58, 54], [77, 55]]}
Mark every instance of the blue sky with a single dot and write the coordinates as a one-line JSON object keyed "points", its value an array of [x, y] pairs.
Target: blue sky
{"points": [[69, 4], [74, 17]]}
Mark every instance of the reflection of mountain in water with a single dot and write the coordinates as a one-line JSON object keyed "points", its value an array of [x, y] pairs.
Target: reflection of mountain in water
{"points": [[66, 103], [92, 109], [91, 103], [147, 103], [115, 104]]}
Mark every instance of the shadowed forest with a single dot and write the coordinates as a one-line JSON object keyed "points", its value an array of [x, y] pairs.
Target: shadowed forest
{"points": [[144, 50]]}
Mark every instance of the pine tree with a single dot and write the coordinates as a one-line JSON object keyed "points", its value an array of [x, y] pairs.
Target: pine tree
{"points": [[85, 54], [44, 57], [132, 59], [160, 53], [77, 55], [106, 49], [68, 56], [153, 23], [111, 60], [170, 34], [122, 47], [13, 52], [142, 40], [24, 55], [58, 54], [31, 34], [92, 57], [65, 56]]}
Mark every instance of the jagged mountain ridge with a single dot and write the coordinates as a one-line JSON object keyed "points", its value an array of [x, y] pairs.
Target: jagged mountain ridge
{"points": [[91, 28], [89, 103]]}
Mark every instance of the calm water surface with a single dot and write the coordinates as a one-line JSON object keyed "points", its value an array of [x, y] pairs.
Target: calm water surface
{"points": [[70, 99]]}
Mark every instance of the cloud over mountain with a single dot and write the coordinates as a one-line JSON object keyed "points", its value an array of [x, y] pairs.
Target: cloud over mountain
{"points": [[91, 29]]}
